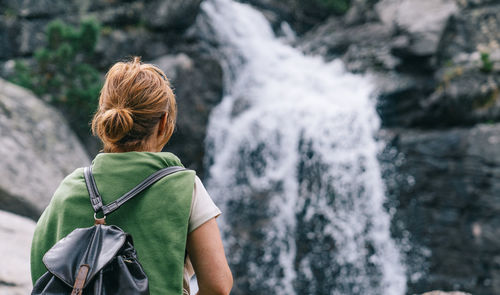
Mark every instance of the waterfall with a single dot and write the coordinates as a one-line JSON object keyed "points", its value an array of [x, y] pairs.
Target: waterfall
{"points": [[293, 166]]}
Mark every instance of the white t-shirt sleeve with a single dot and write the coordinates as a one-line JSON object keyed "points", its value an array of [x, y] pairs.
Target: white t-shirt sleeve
{"points": [[202, 207]]}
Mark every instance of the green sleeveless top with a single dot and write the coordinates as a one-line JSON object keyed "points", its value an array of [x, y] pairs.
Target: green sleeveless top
{"points": [[157, 219]]}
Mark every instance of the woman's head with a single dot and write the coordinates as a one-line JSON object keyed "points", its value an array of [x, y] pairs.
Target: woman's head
{"points": [[137, 108]]}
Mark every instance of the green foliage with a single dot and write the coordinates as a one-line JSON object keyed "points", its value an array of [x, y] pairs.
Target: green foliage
{"points": [[63, 72], [23, 76], [336, 6], [8, 12], [486, 63]]}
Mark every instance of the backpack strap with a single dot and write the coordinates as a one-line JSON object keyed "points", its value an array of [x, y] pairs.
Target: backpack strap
{"points": [[96, 199]]}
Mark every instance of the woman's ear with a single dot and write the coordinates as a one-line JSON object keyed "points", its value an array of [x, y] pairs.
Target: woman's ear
{"points": [[162, 125]]}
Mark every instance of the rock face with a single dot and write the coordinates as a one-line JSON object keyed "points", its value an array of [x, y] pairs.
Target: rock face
{"points": [[436, 62], [438, 83], [444, 185], [302, 15], [149, 29], [15, 233], [24, 21], [37, 149], [171, 14], [410, 28]]}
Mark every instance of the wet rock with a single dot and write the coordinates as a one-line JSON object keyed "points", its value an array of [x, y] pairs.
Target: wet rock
{"points": [[475, 3], [16, 233], [445, 190], [463, 97], [459, 94], [302, 15], [173, 14], [399, 98], [282, 9], [361, 47], [37, 149]]}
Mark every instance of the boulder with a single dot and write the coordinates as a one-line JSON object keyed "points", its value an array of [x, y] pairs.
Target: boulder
{"points": [[423, 22], [37, 149], [16, 233], [361, 47]]}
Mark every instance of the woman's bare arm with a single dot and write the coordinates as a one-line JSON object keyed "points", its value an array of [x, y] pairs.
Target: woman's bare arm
{"points": [[204, 246]]}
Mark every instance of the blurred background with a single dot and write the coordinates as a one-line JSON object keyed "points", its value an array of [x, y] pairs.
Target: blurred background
{"points": [[352, 145]]}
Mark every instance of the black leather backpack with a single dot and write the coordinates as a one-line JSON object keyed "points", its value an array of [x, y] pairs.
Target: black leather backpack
{"points": [[100, 259]]}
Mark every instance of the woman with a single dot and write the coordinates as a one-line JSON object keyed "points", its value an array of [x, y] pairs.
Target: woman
{"points": [[135, 119]]}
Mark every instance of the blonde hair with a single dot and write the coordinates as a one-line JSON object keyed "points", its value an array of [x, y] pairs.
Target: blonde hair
{"points": [[134, 98]]}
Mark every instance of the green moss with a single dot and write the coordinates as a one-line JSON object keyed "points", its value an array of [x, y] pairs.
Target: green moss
{"points": [[486, 63], [22, 76], [336, 6], [63, 71]]}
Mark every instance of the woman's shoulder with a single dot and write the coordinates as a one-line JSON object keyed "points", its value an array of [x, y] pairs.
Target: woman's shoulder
{"points": [[67, 187], [74, 177], [170, 158]]}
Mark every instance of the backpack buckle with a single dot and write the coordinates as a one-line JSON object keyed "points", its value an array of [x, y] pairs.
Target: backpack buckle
{"points": [[99, 220]]}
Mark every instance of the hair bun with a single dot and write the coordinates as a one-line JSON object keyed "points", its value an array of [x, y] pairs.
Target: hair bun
{"points": [[132, 101], [115, 124]]}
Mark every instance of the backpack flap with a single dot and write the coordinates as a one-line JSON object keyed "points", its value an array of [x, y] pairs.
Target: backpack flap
{"points": [[94, 246]]}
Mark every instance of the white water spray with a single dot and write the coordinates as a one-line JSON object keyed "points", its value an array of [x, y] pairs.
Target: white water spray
{"points": [[293, 167]]}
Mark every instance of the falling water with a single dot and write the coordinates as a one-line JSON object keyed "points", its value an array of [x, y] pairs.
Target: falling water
{"points": [[293, 166]]}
